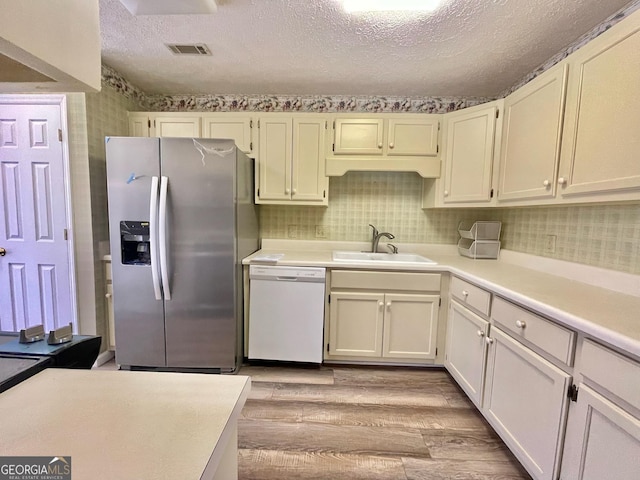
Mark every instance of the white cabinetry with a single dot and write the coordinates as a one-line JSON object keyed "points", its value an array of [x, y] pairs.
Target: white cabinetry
{"points": [[291, 160], [393, 142], [237, 127], [466, 349], [527, 380], [531, 138], [603, 431], [150, 124], [468, 158], [601, 141], [383, 315]]}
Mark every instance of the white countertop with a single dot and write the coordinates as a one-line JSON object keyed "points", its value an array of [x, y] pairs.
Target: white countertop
{"points": [[124, 425], [604, 314]]}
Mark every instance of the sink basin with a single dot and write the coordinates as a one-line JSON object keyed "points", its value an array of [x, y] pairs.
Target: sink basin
{"points": [[368, 257]]}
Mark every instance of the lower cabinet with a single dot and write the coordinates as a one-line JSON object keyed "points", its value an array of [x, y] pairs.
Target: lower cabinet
{"points": [[525, 400], [466, 350], [383, 316], [603, 430]]}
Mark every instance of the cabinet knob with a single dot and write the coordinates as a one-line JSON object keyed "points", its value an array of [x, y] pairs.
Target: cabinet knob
{"points": [[293, 191], [562, 181], [107, 295], [391, 145], [388, 304], [480, 333], [489, 340], [379, 145], [521, 323], [546, 183], [381, 304], [465, 294], [286, 190], [446, 193]]}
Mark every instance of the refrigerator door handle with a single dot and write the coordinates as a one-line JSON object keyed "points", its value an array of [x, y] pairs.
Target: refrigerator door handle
{"points": [[153, 237], [162, 237]]}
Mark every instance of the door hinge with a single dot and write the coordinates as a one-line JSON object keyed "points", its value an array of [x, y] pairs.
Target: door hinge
{"points": [[440, 302], [251, 146], [436, 352], [327, 347], [149, 123], [258, 193], [66, 234], [333, 147], [334, 124], [154, 124], [258, 123], [326, 124], [324, 194], [438, 126], [573, 393], [59, 135], [498, 113], [250, 123], [491, 194], [437, 148], [329, 299]]}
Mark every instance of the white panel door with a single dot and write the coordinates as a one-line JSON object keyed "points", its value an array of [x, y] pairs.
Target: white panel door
{"points": [[34, 273], [355, 324]]}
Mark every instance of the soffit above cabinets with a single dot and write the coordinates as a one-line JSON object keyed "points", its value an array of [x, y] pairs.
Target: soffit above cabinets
{"points": [[278, 47]]}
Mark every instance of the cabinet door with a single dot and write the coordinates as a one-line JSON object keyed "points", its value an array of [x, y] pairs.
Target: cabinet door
{"points": [[308, 179], [525, 401], [601, 139], [603, 441], [469, 156], [414, 137], [410, 326], [139, 124], [531, 136], [466, 353], [359, 136], [187, 125], [355, 324], [275, 158], [236, 128]]}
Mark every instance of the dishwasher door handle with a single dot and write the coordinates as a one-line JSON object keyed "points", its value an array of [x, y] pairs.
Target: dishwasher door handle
{"points": [[288, 279]]}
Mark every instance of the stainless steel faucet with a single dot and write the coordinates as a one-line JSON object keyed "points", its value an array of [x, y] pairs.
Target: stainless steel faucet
{"points": [[376, 236], [392, 248]]}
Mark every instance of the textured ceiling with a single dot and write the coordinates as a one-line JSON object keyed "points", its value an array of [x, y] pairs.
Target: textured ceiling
{"points": [[472, 48]]}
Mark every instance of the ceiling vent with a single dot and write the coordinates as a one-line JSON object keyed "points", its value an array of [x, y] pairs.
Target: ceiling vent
{"points": [[194, 49], [170, 7]]}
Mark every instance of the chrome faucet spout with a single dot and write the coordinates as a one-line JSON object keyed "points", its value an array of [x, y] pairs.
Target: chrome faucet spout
{"points": [[377, 238]]}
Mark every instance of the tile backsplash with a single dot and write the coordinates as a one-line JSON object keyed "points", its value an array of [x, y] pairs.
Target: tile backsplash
{"points": [[606, 236]]}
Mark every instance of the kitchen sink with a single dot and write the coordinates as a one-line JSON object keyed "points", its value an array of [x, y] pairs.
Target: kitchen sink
{"points": [[368, 257]]}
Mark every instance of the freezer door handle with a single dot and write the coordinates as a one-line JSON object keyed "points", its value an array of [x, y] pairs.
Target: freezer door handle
{"points": [[162, 237], [153, 237]]}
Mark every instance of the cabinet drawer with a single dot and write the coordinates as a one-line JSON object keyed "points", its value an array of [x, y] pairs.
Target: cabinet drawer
{"points": [[388, 281], [550, 337], [470, 295], [612, 371]]}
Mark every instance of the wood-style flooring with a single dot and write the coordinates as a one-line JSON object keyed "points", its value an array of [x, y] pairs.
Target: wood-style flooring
{"points": [[365, 423]]}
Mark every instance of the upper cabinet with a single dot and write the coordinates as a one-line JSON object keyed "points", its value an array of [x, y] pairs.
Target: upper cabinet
{"points": [[468, 154], [385, 142], [236, 126], [531, 137], [229, 125], [291, 167], [601, 139]]}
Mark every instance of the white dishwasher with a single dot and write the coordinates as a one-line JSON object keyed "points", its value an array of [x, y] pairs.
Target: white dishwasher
{"points": [[286, 313]]}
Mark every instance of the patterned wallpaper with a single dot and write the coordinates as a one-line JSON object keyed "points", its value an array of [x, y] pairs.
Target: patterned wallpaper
{"points": [[606, 236], [106, 115]]}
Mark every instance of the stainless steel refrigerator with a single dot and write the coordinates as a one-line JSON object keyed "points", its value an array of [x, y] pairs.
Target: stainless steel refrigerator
{"points": [[181, 218]]}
